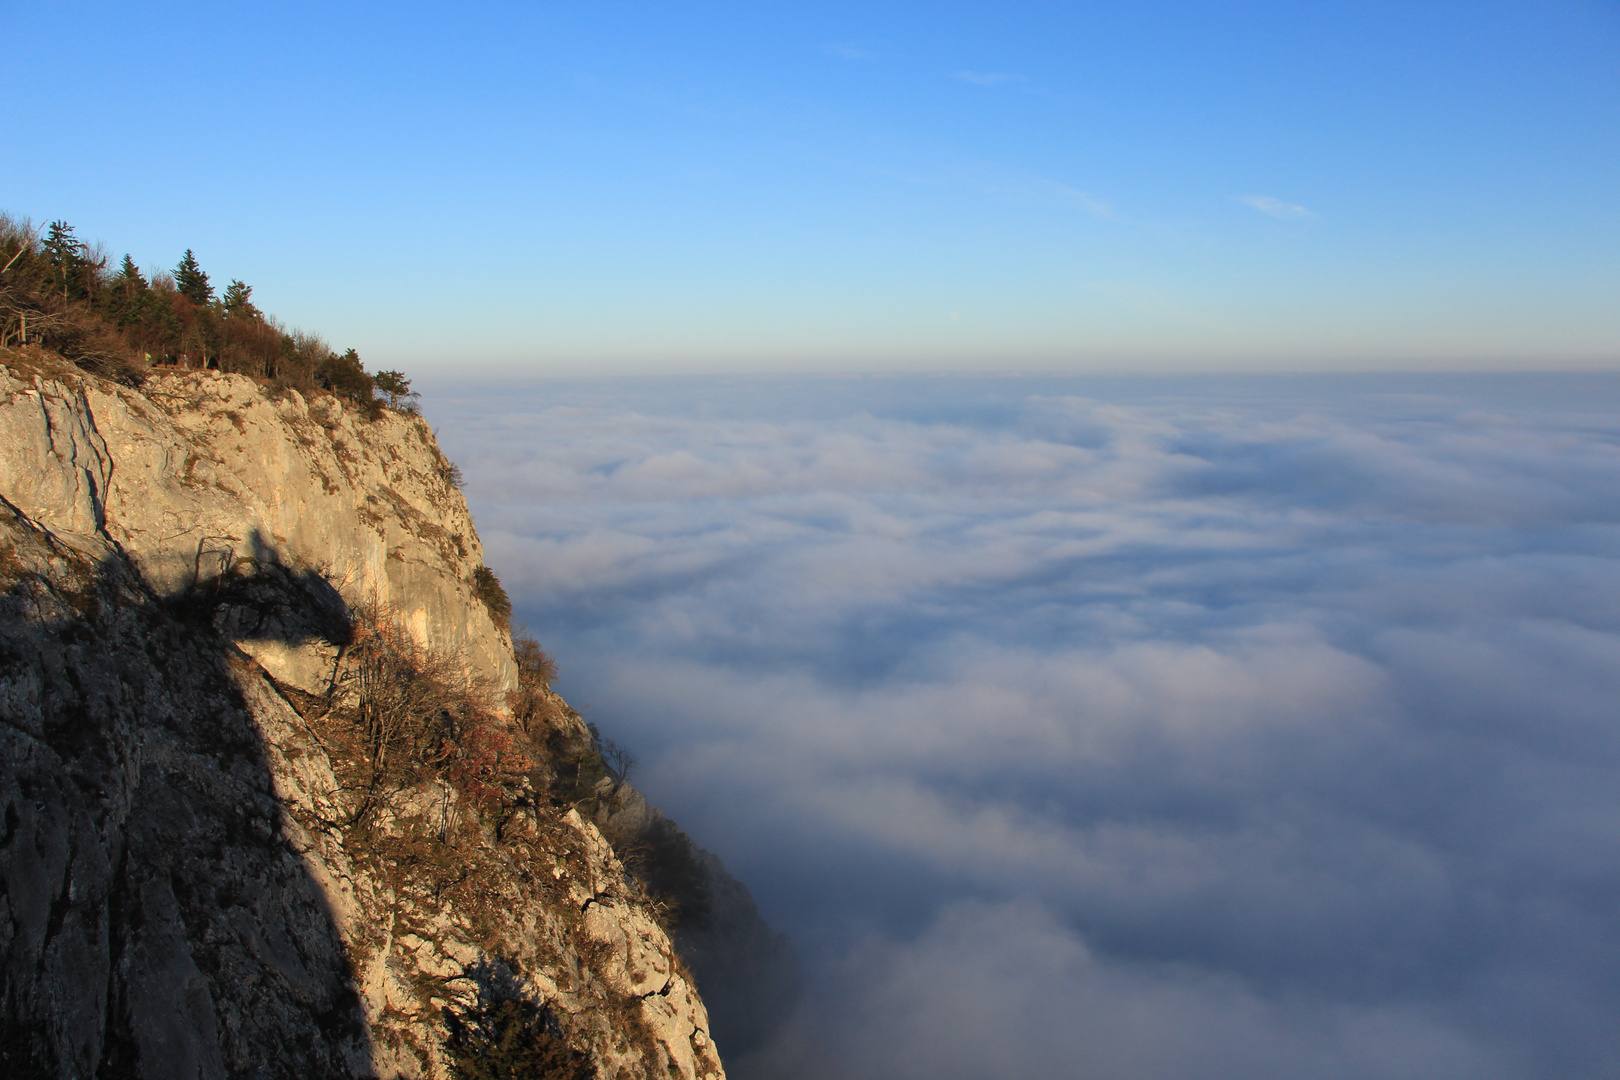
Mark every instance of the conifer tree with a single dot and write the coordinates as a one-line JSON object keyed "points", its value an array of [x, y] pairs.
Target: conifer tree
{"points": [[66, 255], [127, 296], [191, 282], [57, 291], [346, 377], [236, 299], [129, 275], [397, 387]]}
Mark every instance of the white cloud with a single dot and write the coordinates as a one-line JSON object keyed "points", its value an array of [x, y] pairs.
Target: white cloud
{"points": [[1265, 721], [1008, 990], [1276, 208]]}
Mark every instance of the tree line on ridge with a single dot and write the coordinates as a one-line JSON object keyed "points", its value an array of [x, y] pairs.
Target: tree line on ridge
{"points": [[59, 293]]}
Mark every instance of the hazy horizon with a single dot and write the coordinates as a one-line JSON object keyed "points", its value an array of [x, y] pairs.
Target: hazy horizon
{"points": [[917, 187]]}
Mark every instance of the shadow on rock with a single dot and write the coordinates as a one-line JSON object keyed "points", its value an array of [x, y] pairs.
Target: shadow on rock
{"points": [[154, 920]]}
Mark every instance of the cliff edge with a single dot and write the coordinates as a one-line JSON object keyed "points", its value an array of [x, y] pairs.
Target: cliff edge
{"points": [[265, 807]]}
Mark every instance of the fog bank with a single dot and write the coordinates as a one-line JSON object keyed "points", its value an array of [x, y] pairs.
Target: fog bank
{"points": [[1127, 728]]}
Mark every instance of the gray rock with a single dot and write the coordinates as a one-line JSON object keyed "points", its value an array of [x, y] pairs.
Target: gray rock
{"points": [[187, 886]]}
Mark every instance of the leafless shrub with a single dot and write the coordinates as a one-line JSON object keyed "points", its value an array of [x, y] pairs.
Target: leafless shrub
{"points": [[416, 718], [619, 759], [406, 699], [535, 666]]}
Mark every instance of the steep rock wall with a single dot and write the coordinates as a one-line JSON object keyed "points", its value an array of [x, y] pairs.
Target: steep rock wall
{"points": [[190, 883], [199, 472]]}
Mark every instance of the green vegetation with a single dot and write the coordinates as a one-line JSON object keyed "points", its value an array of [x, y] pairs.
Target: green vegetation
{"points": [[487, 587], [58, 293], [394, 386]]}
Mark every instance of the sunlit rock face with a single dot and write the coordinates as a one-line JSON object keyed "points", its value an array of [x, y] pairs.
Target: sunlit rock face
{"points": [[200, 473], [192, 882]]}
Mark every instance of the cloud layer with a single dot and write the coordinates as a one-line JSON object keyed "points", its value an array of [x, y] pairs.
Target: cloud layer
{"points": [[1131, 729]]}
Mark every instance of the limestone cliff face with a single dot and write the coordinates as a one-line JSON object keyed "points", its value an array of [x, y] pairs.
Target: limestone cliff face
{"points": [[201, 471], [197, 877]]}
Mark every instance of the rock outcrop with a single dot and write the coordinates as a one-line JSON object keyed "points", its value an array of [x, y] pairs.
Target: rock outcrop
{"points": [[204, 871], [201, 474]]}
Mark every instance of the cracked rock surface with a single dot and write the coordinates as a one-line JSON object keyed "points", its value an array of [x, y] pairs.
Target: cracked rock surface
{"points": [[182, 890]]}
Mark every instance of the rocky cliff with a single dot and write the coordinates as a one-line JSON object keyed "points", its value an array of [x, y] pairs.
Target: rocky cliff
{"points": [[266, 809]]}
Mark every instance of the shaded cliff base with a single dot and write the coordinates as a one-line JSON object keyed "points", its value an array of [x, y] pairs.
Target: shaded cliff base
{"points": [[154, 919]]}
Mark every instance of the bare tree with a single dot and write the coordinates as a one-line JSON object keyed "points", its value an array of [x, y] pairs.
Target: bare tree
{"points": [[618, 758]]}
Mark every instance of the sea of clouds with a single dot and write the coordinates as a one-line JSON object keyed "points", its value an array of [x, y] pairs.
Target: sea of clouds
{"points": [[1109, 728]]}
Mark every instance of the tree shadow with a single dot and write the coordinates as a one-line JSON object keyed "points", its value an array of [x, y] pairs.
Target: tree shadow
{"points": [[507, 1034], [157, 917]]}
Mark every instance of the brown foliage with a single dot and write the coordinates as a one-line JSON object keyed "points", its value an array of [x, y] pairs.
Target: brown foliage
{"points": [[416, 719], [535, 667], [249, 346], [405, 698], [534, 706], [404, 723], [59, 293]]}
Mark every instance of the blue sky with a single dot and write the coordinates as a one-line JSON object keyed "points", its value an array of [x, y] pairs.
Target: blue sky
{"points": [[831, 187]]}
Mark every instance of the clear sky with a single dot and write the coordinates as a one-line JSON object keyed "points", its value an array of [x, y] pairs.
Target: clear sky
{"points": [[612, 187]]}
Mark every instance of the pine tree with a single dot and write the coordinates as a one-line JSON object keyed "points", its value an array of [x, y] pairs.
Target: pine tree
{"points": [[236, 299], [397, 387], [126, 295], [191, 282], [65, 254], [129, 275], [346, 377]]}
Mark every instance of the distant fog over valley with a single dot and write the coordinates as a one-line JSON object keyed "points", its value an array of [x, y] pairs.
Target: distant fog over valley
{"points": [[1127, 728]]}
